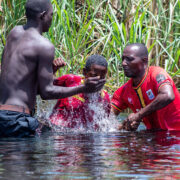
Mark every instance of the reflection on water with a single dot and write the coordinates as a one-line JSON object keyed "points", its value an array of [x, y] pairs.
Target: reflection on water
{"points": [[115, 155]]}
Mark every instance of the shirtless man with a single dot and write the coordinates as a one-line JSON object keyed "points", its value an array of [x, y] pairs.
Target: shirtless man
{"points": [[27, 70], [150, 93]]}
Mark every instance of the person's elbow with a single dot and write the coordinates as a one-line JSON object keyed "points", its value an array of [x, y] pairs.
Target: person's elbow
{"points": [[169, 97], [46, 93], [167, 94]]}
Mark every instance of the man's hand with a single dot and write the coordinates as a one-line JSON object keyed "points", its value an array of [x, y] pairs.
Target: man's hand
{"points": [[93, 84], [58, 63], [131, 123]]}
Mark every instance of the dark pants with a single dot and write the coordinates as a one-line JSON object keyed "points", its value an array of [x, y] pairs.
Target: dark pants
{"points": [[16, 124]]}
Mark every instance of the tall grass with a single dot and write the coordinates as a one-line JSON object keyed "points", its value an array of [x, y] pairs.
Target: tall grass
{"points": [[82, 28]]}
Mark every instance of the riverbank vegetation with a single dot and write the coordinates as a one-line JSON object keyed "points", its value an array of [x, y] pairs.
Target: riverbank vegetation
{"points": [[84, 27]]}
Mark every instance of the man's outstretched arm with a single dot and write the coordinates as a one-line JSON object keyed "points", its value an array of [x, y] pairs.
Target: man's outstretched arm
{"points": [[164, 97], [45, 78]]}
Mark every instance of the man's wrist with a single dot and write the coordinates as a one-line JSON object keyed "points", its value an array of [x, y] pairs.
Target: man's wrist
{"points": [[81, 88]]}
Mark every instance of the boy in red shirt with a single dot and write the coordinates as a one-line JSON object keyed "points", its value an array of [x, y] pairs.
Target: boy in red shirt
{"points": [[79, 111]]}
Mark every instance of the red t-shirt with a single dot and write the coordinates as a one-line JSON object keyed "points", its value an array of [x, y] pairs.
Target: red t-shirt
{"points": [[135, 98], [75, 111]]}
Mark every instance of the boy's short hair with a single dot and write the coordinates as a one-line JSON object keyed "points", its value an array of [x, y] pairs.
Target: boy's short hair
{"points": [[34, 7], [95, 59]]}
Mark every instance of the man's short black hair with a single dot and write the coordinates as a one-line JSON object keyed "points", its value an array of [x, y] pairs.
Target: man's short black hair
{"points": [[34, 7], [95, 59], [143, 49]]}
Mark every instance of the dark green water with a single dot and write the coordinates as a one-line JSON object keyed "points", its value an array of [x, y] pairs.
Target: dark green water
{"points": [[120, 155]]}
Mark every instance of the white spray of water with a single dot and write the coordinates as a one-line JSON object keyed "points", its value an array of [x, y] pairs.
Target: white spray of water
{"points": [[103, 121], [44, 109]]}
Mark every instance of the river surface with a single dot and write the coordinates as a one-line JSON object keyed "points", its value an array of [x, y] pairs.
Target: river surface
{"points": [[113, 155]]}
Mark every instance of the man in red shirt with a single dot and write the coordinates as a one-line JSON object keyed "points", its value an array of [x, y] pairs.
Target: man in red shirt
{"points": [[80, 110], [150, 93]]}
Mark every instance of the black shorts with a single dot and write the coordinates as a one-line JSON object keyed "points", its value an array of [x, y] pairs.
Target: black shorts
{"points": [[17, 124]]}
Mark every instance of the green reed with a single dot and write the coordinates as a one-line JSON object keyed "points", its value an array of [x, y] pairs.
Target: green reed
{"points": [[84, 27]]}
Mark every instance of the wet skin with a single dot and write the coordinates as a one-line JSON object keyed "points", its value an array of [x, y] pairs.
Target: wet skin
{"points": [[27, 66], [135, 66], [95, 70]]}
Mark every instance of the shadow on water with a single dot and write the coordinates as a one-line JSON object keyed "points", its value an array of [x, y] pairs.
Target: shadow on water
{"points": [[115, 155]]}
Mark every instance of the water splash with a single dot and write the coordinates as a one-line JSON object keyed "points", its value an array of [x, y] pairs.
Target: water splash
{"points": [[44, 109], [102, 121]]}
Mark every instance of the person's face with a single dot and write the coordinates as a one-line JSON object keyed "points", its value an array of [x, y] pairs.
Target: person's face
{"points": [[95, 70], [47, 19], [132, 64]]}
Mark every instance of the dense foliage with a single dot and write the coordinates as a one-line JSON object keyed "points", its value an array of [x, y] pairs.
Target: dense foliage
{"points": [[84, 27]]}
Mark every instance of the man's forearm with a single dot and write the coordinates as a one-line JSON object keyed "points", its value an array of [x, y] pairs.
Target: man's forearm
{"points": [[57, 92], [92, 84]]}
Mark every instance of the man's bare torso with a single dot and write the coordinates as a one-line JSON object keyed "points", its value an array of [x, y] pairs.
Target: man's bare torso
{"points": [[18, 81]]}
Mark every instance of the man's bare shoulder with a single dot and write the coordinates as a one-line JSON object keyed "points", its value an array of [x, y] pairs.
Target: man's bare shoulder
{"points": [[16, 32], [18, 28], [37, 43], [43, 45]]}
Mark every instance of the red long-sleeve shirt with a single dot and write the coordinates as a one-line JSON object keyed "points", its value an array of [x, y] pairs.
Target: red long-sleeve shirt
{"points": [[77, 110], [135, 98]]}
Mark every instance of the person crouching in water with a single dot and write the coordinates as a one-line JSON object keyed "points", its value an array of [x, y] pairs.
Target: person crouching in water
{"points": [[80, 111]]}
